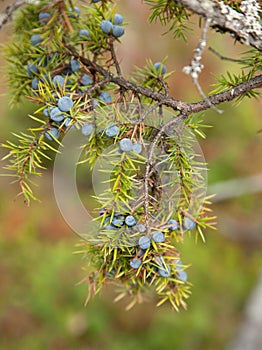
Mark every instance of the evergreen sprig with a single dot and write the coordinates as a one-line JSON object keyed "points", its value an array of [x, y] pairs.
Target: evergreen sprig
{"points": [[168, 12], [64, 60]]}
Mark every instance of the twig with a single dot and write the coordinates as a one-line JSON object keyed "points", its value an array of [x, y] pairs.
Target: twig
{"points": [[185, 107], [176, 120], [195, 67], [114, 58], [226, 58]]}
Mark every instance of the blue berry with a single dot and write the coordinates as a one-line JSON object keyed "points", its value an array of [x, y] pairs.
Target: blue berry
{"points": [[106, 220], [36, 39], [130, 220], [95, 103], [31, 69], [125, 145], [58, 80], [188, 224], [68, 123], [160, 67], [106, 26], [112, 131], [65, 103], [86, 80], [87, 129], [174, 224], [75, 65], [34, 84], [102, 211], [135, 263], [95, 1], [46, 112], [56, 115], [118, 31], [137, 147], [164, 271], [118, 221], [44, 16], [179, 265], [52, 132], [158, 237], [182, 276], [110, 227], [118, 19], [141, 228], [144, 242], [106, 97], [85, 33]]}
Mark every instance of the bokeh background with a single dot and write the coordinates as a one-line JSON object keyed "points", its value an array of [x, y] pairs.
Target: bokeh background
{"points": [[40, 305]]}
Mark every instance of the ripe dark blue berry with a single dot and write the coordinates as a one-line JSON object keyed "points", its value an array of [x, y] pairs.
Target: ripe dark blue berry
{"points": [[56, 115], [106, 26], [84, 33], [125, 145], [130, 220], [75, 65], [118, 31], [160, 67], [106, 97], [158, 237], [118, 221], [31, 69], [34, 84], [164, 271], [87, 129], [144, 242], [174, 224], [58, 80], [46, 112], [110, 227], [44, 16], [86, 80], [36, 39], [68, 123], [52, 133], [182, 276], [65, 103], [179, 264], [118, 19], [135, 263], [137, 147], [112, 130], [188, 224]]}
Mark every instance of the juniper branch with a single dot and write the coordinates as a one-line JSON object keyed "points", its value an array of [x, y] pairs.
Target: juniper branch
{"points": [[185, 107], [7, 15]]}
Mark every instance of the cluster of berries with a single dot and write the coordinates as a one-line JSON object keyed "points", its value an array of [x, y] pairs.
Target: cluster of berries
{"points": [[120, 220], [113, 26], [128, 223], [161, 267], [61, 82], [58, 115]]}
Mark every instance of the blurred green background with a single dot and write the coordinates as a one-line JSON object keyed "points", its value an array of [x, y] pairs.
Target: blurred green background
{"points": [[40, 305]]}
